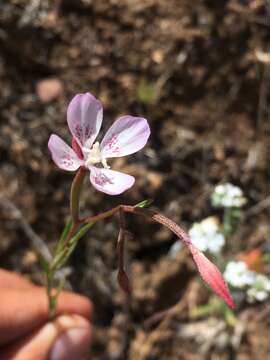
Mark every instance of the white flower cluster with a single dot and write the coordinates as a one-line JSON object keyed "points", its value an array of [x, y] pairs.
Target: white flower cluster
{"points": [[257, 285], [228, 195], [207, 236], [238, 275]]}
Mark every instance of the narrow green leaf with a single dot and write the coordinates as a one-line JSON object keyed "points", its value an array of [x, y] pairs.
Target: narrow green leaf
{"points": [[83, 230], [44, 263], [62, 257], [144, 203], [63, 236]]}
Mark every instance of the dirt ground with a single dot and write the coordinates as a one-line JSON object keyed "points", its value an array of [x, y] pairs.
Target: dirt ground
{"points": [[199, 71]]}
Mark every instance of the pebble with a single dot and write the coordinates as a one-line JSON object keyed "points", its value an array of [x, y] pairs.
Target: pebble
{"points": [[49, 89]]}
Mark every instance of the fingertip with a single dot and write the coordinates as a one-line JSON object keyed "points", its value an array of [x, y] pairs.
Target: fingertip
{"points": [[73, 343], [23, 310], [66, 337], [74, 303]]}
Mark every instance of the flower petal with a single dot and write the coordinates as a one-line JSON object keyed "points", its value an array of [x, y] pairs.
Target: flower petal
{"points": [[84, 117], [109, 181], [62, 154], [126, 136], [211, 275]]}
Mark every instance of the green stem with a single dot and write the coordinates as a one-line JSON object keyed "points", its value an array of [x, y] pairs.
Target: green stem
{"points": [[227, 222], [49, 289], [72, 231], [75, 192], [76, 222]]}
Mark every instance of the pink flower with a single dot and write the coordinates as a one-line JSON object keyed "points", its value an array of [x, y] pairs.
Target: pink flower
{"points": [[126, 136]]}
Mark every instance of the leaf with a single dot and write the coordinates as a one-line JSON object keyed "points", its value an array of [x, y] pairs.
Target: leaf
{"points": [[62, 257], [83, 230], [63, 236], [44, 263], [144, 203]]}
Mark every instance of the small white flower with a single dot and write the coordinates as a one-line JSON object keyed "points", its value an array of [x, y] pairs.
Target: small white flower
{"points": [[257, 286], [238, 275], [260, 289], [228, 195], [206, 235]]}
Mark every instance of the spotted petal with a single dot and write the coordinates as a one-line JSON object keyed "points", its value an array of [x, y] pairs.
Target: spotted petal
{"points": [[109, 181], [63, 155], [126, 136], [84, 117]]}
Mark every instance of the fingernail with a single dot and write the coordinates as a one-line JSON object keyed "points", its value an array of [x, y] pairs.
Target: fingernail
{"points": [[72, 344]]}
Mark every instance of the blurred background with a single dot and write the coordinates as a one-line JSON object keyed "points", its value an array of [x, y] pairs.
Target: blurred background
{"points": [[199, 72]]}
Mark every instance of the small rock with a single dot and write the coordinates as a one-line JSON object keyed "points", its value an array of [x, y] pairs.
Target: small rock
{"points": [[158, 56], [49, 89]]}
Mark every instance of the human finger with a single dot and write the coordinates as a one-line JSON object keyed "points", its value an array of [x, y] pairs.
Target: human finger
{"points": [[23, 310], [68, 337]]}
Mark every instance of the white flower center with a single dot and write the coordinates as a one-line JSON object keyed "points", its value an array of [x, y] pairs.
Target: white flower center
{"points": [[94, 156]]}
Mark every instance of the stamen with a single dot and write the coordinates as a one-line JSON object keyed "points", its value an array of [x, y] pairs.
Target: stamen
{"points": [[104, 163], [93, 156]]}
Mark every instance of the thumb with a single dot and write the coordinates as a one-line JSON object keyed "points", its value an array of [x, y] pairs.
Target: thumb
{"points": [[68, 337]]}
